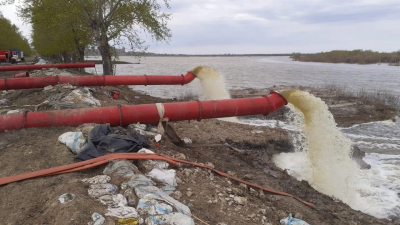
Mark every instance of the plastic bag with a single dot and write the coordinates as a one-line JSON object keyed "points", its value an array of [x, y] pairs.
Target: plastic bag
{"points": [[171, 218], [97, 190], [137, 180], [149, 165], [73, 140], [292, 221], [150, 206], [99, 179], [97, 219], [156, 193], [163, 176], [120, 168]]}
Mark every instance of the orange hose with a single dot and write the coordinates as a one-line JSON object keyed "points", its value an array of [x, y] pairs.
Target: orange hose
{"points": [[133, 156]]}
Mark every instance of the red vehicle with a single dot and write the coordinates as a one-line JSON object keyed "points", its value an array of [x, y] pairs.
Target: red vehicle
{"points": [[12, 56], [4, 55]]}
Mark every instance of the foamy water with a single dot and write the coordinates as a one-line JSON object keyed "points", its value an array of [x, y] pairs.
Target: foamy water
{"points": [[213, 86], [324, 161]]}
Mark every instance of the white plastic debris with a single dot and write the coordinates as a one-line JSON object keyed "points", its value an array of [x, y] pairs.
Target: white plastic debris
{"points": [[137, 180], [163, 176], [97, 219], [143, 129], [113, 200], [187, 140], [158, 137], [82, 94], [41, 61], [4, 102], [14, 111], [100, 179], [150, 206], [292, 221], [8, 92], [120, 168], [73, 140], [171, 218], [156, 193], [149, 165], [47, 88], [257, 131], [122, 212], [97, 190], [65, 198]]}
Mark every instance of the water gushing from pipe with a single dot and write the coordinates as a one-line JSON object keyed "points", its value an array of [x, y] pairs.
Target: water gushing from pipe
{"points": [[213, 86], [325, 160]]}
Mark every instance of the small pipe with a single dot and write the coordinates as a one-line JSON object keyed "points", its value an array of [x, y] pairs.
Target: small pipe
{"points": [[43, 66], [41, 82], [146, 114], [20, 75]]}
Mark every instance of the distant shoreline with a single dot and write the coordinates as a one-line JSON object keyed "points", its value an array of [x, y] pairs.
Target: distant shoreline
{"points": [[361, 57]]}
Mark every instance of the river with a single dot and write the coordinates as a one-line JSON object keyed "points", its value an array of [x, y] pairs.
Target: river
{"points": [[378, 193]]}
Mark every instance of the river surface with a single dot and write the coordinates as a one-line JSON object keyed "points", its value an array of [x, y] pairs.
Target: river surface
{"points": [[380, 187], [262, 72]]}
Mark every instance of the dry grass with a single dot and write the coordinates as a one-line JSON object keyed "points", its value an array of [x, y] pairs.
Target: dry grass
{"points": [[378, 95]]}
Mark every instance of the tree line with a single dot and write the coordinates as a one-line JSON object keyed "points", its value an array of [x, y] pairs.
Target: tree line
{"points": [[11, 37], [62, 29], [354, 57]]}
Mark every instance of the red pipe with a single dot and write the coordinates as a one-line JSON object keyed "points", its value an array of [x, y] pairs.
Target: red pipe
{"points": [[41, 82], [42, 66], [19, 75], [147, 114]]}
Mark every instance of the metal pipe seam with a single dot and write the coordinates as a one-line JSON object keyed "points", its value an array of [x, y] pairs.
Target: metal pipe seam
{"points": [[146, 114], [43, 66], [41, 82]]}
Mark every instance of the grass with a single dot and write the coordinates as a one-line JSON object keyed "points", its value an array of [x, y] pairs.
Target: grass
{"points": [[377, 95]]}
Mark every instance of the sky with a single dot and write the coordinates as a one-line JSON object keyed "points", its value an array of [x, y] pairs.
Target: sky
{"points": [[274, 26]]}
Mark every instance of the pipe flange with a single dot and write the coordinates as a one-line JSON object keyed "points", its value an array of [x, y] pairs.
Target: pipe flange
{"points": [[184, 80], [269, 105], [104, 80], [24, 118], [5, 84]]}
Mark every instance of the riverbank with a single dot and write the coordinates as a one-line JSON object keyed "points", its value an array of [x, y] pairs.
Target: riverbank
{"points": [[361, 57], [208, 195]]}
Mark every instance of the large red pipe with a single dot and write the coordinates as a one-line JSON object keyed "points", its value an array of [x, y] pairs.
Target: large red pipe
{"points": [[147, 114], [41, 82], [43, 66]]}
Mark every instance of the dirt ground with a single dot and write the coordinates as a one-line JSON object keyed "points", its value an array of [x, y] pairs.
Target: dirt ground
{"points": [[208, 195]]}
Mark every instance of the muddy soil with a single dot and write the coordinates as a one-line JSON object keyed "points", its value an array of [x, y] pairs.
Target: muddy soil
{"points": [[209, 196]]}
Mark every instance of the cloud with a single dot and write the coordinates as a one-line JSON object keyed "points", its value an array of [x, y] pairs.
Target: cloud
{"points": [[270, 26]]}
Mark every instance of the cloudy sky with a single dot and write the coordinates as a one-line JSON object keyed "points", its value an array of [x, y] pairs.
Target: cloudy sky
{"points": [[275, 26]]}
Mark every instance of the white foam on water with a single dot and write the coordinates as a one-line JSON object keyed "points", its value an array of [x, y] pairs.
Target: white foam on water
{"points": [[324, 161], [268, 123]]}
